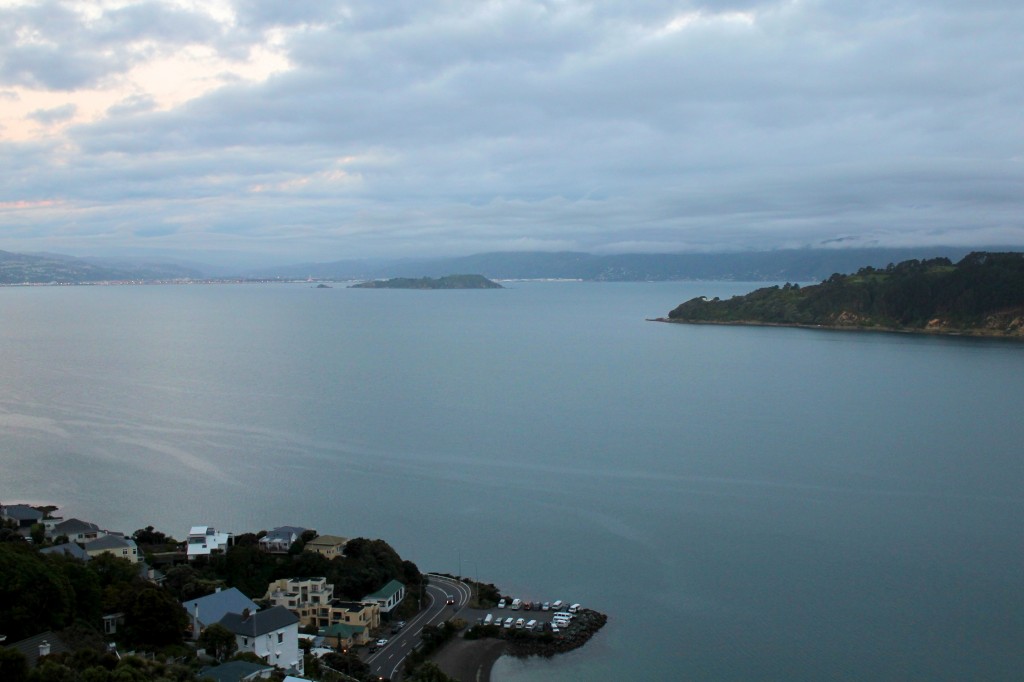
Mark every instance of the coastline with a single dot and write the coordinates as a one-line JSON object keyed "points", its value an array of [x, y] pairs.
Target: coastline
{"points": [[958, 333]]}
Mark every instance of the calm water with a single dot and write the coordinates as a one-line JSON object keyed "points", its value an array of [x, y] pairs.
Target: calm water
{"points": [[744, 503]]}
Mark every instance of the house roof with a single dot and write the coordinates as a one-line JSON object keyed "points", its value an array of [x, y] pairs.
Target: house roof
{"points": [[234, 671], [29, 647], [353, 606], [212, 607], [283, 532], [109, 542], [327, 541], [69, 549], [260, 622], [342, 630], [386, 592], [74, 526], [22, 512]]}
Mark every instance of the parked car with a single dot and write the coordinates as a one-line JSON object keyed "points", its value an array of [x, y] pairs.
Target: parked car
{"points": [[546, 606], [381, 642], [527, 606], [501, 604]]}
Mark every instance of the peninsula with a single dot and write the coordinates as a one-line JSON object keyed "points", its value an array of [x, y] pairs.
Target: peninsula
{"points": [[981, 295], [446, 282]]}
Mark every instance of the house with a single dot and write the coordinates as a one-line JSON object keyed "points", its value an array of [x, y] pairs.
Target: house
{"points": [[44, 644], [342, 636], [328, 545], [117, 545], [76, 530], [203, 540], [363, 614], [208, 610], [281, 539], [272, 634], [236, 671], [21, 514], [302, 596], [67, 549], [388, 596]]}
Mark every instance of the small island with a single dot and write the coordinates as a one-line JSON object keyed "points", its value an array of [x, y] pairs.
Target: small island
{"points": [[982, 295], [446, 282]]}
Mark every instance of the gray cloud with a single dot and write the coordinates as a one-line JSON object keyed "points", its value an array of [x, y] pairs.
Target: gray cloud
{"points": [[54, 115], [420, 127]]}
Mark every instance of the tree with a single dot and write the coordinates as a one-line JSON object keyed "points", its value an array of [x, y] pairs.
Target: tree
{"points": [[38, 533], [34, 595], [218, 641], [13, 667], [153, 617]]}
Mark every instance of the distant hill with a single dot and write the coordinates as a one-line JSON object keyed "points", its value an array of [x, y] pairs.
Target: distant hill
{"points": [[446, 282], [794, 265], [982, 294], [19, 268]]}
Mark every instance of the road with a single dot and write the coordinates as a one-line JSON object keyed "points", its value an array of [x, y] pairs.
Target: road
{"points": [[387, 662]]}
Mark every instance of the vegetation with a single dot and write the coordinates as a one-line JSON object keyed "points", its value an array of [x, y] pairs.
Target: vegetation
{"points": [[447, 282], [982, 294], [367, 566]]}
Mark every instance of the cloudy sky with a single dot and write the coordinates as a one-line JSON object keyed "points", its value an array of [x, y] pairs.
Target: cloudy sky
{"points": [[323, 130]]}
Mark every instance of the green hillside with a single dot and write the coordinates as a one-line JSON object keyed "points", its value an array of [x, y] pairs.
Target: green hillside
{"points": [[981, 294]]}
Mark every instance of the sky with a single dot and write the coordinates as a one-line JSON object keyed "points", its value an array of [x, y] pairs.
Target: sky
{"points": [[318, 131]]}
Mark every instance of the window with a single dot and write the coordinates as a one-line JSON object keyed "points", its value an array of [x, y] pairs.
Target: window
{"points": [[280, 637]]}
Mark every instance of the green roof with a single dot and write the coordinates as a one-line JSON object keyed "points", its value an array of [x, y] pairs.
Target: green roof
{"points": [[341, 630], [386, 592]]}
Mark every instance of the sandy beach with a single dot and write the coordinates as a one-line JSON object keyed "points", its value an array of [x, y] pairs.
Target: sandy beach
{"points": [[470, 660]]}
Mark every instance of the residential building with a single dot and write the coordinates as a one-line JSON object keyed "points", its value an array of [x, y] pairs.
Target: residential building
{"points": [[117, 545], [22, 514], [388, 597], [236, 671], [364, 615], [273, 635], [302, 596], [76, 530], [203, 540], [328, 545], [70, 549], [45, 644], [205, 611], [281, 539], [342, 636]]}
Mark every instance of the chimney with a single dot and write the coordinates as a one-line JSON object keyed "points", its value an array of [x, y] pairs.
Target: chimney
{"points": [[44, 648], [245, 613]]}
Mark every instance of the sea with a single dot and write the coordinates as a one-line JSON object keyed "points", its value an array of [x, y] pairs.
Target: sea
{"points": [[743, 503]]}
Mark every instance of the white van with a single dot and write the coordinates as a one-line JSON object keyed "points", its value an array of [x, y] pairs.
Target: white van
{"points": [[508, 623], [488, 619], [531, 625], [562, 615], [520, 623], [501, 604], [555, 605], [516, 603], [575, 608]]}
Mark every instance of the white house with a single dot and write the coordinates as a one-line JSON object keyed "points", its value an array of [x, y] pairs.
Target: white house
{"points": [[202, 540], [273, 635], [388, 597]]}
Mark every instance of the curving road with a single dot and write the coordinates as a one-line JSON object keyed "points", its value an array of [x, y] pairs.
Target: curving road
{"points": [[387, 662]]}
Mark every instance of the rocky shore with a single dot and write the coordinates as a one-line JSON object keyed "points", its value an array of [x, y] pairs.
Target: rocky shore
{"points": [[471, 660], [584, 626]]}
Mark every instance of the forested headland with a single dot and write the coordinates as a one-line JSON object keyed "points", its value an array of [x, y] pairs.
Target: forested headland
{"points": [[982, 294]]}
